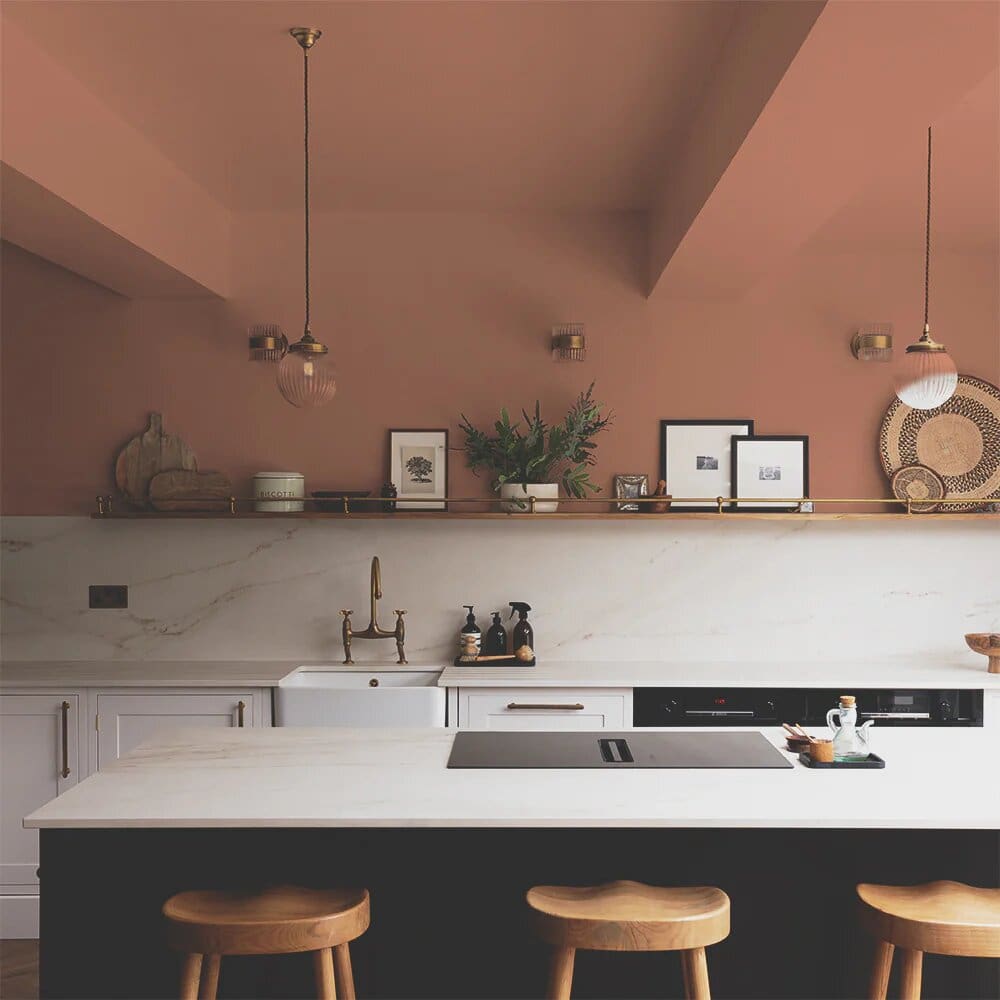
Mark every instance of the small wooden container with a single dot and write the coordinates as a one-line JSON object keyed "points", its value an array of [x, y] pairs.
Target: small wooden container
{"points": [[821, 751]]}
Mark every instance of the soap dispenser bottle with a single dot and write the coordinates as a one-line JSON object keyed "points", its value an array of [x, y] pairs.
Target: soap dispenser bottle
{"points": [[471, 636], [524, 634], [495, 643]]}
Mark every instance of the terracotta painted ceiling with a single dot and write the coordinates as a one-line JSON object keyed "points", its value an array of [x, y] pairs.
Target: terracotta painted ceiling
{"points": [[415, 105], [742, 130]]}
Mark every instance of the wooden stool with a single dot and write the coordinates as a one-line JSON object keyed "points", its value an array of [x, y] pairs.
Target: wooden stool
{"points": [[211, 923], [944, 918], [629, 916]]}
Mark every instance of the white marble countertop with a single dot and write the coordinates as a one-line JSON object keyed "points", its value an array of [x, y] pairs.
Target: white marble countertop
{"points": [[398, 778], [144, 673], [968, 671], [960, 672]]}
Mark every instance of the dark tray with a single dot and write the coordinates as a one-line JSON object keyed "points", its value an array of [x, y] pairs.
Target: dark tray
{"points": [[509, 661], [872, 760]]}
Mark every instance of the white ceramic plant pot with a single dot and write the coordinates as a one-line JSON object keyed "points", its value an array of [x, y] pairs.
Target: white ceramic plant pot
{"points": [[546, 494]]}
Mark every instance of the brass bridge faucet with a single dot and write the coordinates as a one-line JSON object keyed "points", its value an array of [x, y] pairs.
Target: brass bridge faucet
{"points": [[374, 631]]}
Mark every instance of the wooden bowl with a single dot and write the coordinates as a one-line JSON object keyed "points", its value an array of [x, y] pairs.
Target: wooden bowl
{"points": [[987, 643], [797, 745]]}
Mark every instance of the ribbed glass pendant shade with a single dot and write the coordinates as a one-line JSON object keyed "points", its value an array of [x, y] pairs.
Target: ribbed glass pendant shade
{"points": [[307, 380], [928, 379]]}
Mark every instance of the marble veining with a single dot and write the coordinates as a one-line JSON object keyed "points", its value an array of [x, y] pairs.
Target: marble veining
{"points": [[677, 592]]}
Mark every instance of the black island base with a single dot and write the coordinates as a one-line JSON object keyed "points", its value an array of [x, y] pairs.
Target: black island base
{"points": [[448, 912]]}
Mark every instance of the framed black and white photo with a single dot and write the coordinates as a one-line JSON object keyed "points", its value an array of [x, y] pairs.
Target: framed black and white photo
{"points": [[418, 467], [695, 459], [770, 472], [629, 485]]}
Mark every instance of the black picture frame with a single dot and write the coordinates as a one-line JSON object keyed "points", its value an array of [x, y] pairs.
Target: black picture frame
{"points": [[706, 508], [742, 440], [417, 504]]}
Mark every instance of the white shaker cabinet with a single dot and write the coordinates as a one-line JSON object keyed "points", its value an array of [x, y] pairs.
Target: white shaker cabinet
{"points": [[544, 708], [41, 750], [51, 739], [123, 719]]}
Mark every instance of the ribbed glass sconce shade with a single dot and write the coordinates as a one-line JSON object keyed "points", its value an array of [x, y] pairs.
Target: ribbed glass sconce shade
{"points": [[307, 380], [928, 379]]}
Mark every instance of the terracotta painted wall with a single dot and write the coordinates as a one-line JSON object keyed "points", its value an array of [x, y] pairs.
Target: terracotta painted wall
{"points": [[433, 315]]}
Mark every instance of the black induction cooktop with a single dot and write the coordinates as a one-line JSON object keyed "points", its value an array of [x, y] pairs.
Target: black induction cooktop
{"points": [[611, 750]]}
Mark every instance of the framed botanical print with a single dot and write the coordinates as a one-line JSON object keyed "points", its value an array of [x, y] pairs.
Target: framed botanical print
{"points": [[695, 459], [418, 467], [770, 472]]}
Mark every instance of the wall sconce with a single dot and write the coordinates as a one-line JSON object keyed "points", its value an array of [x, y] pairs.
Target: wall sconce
{"points": [[873, 342], [569, 343], [267, 342]]}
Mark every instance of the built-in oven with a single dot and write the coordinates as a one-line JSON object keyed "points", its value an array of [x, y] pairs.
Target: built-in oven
{"points": [[702, 706]]}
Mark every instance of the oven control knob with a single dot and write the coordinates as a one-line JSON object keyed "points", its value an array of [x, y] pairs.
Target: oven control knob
{"points": [[671, 707], [945, 707], [770, 707]]}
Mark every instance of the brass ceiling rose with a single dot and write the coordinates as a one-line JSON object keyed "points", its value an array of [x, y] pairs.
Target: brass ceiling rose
{"points": [[306, 37]]}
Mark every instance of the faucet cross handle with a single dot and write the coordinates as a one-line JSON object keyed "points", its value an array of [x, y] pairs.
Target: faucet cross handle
{"points": [[396, 611], [346, 613]]}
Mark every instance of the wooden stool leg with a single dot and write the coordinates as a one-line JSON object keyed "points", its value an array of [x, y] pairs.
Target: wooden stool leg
{"points": [[190, 975], [209, 978], [561, 973], [878, 988], [343, 973], [696, 974], [910, 974], [323, 964], [685, 972]]}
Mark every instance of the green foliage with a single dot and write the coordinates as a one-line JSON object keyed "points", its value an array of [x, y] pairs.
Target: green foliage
{"points": [[539, 453]]}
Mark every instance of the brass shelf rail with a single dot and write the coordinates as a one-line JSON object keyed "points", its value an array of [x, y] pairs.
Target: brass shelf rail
{"points": [[367, 507]]}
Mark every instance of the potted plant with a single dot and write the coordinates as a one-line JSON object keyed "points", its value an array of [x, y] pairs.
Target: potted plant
{"points": [[533, 459]]}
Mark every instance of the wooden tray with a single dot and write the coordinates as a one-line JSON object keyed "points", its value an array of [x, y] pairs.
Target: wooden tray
{"points": [[507, 661], [873, 760]]}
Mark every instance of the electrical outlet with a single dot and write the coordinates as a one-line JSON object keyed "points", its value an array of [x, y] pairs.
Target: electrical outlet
{"points": [[108, 596]]}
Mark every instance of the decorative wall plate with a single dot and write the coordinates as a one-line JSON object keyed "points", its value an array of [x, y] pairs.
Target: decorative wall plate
{"points": [[917, 482], [959, 440]]}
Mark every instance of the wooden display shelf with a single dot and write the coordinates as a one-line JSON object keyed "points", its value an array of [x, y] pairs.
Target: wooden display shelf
{"points": [[443, 515]]}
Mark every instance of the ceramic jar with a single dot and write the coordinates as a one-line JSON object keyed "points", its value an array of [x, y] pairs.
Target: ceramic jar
{"points": [[279, 492]]}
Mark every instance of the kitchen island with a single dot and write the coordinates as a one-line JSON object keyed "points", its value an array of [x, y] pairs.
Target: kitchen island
{"points": [[447, 855]]}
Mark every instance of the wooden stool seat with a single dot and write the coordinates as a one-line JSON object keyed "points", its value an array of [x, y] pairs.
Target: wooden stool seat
{"points": [[944, 918], [276, 921], [629, 916]]}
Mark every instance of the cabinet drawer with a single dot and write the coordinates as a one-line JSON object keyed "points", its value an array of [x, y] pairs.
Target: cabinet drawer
{"points": [[543, 708], [126, 720]]}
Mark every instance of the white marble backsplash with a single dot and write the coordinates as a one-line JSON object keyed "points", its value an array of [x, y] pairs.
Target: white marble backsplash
{"points": [[636, 590]]}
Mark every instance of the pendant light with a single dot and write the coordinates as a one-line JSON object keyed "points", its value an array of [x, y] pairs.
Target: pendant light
{"points": [[929, 376], [306, 376]]}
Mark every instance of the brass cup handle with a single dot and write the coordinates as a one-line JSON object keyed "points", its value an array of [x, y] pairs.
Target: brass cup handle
{"points": [[64, 708], [240, 709], [514, 706]]}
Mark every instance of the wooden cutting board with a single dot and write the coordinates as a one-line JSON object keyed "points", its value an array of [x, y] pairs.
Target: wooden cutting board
{"points": [[182, 489], [146, 455]]}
